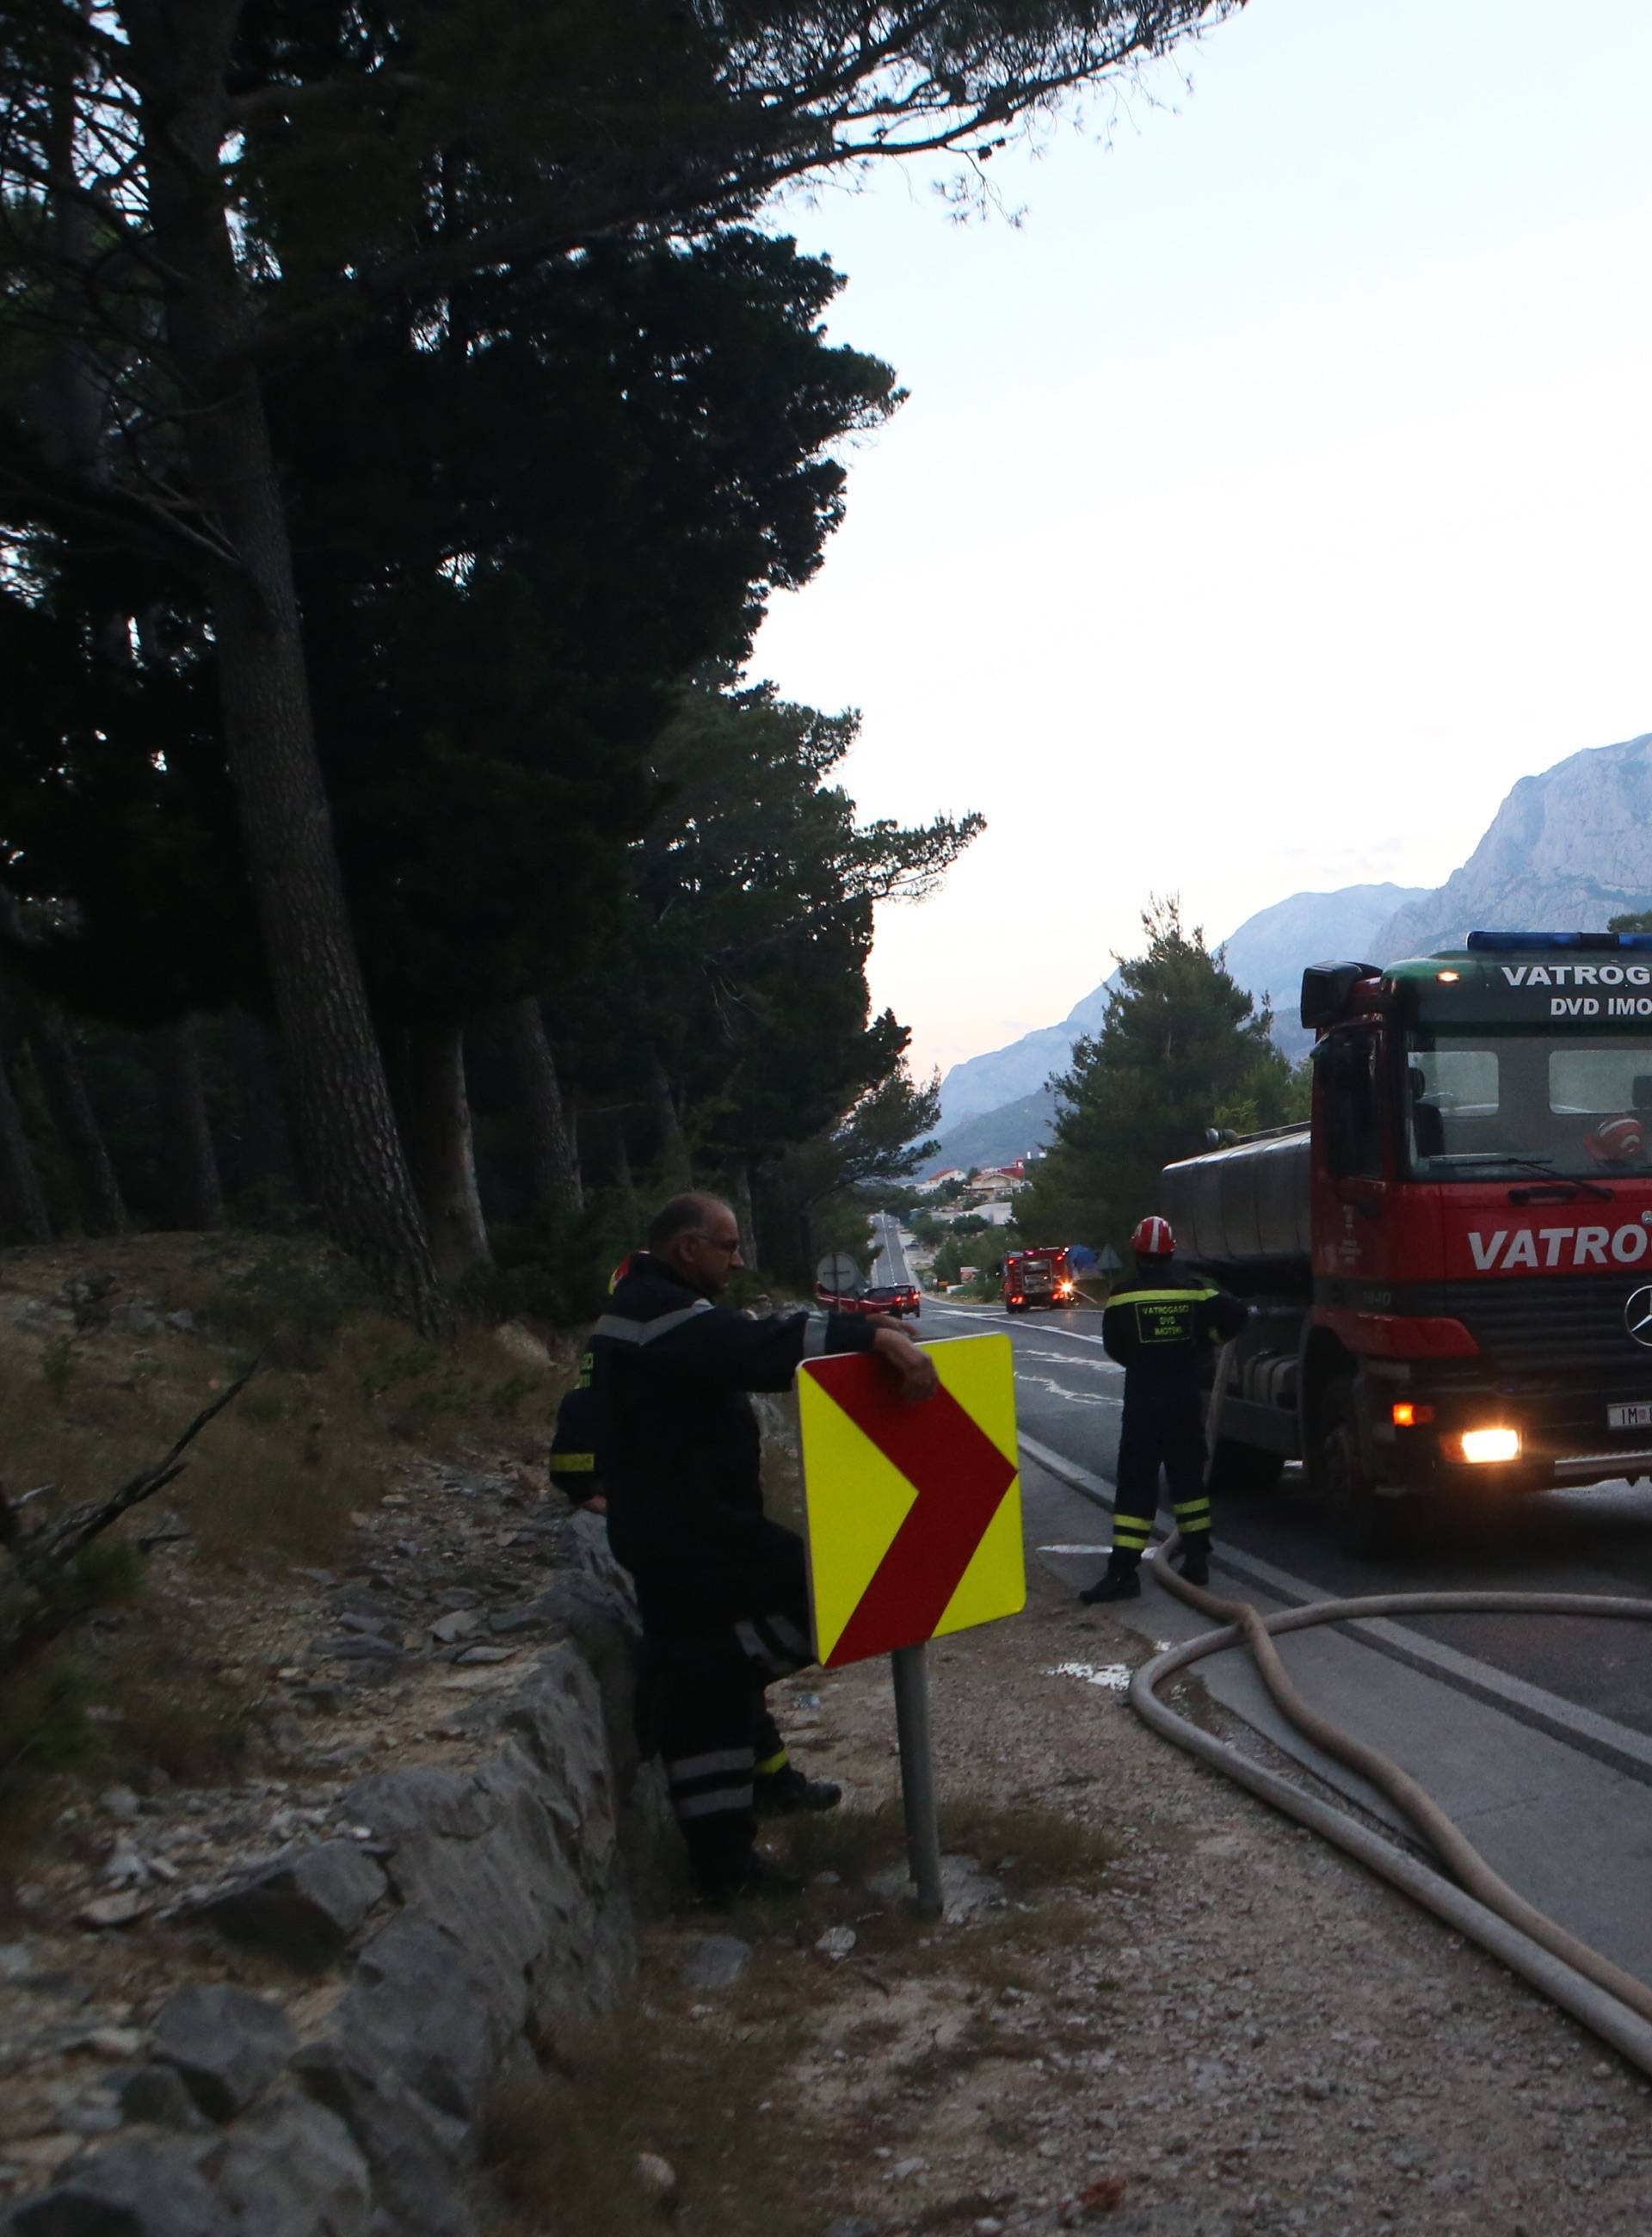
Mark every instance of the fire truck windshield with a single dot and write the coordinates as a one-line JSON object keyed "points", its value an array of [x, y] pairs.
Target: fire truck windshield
{"points": [[1575, 1107]]}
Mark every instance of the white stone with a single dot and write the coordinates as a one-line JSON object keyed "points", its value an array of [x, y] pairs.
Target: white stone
{"points": [[657, 2176]]}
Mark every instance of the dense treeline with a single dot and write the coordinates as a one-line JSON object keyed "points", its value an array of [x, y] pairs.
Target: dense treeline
{"points": [[403, 421]]}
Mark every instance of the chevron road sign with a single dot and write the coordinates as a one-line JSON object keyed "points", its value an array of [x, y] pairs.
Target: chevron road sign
{"points": [[914, 1529], [915, 1526]]}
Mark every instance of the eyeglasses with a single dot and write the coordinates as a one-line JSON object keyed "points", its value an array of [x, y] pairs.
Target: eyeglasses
{"points": [[717, 1242]]}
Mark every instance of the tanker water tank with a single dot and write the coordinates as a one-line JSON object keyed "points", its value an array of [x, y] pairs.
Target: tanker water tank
{"points": [[1245, 1208]]}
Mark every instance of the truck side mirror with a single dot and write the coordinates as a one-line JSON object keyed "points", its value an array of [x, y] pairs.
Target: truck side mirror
{"points": [[1326, 990]]}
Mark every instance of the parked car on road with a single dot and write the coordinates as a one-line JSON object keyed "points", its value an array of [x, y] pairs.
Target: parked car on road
{"points": [[895, 1298]]}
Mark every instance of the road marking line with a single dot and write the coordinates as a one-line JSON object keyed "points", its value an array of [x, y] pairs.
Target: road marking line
{"points": [[1014, 1320], [1604, 1737], [1024, 1379]]}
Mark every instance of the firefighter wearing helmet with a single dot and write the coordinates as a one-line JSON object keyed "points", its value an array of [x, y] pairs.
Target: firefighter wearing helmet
{"points": [[1159, 1326]]}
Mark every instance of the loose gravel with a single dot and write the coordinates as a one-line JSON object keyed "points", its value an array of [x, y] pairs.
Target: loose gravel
{"points": [[1234, 2029]]}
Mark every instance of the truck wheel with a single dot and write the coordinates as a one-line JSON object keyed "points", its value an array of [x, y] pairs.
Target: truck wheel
{"points": [[1244, 1467], [1361, 1523]]}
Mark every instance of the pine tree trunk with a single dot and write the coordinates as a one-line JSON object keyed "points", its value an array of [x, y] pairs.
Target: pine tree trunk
{"points": [[97, 1196], [72, 401], [259, 1145], [196, 1192], [23, 1216], [350, 1152], [435, 1116], [624, 1179], [676, 1164], [740, 1202], [553, 1155]]}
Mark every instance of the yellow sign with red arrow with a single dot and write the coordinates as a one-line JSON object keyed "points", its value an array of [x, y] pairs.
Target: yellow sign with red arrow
{"points": [[914, 1511]]}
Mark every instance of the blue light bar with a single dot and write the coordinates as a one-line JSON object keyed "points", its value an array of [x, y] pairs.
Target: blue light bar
{"points": [[1506, 943]]}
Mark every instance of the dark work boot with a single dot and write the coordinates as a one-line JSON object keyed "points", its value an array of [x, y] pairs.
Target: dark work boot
{"points": [[1119, 1582], [719, 1881], [1194, 1564], [782, 1794]]}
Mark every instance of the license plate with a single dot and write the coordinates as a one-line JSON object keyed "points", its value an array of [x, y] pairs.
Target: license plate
{"points": [[1637, 1417]]}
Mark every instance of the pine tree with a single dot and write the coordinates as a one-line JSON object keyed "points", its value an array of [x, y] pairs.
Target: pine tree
{"points": [[1182, 1049]]}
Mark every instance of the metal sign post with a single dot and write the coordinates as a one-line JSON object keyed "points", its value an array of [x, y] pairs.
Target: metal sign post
{"points": [[917, 1780]]}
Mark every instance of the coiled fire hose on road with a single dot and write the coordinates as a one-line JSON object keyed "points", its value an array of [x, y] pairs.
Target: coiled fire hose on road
{"points": [[1477, 1901], [1482, 1905]]}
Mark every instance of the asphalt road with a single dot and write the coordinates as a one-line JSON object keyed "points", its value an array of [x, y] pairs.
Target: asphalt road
{"points": [[890, 1263], [1069, 1399]]}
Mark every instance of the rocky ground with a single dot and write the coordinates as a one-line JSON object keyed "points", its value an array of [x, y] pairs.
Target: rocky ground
{"points": [[1155, 2007], [272, 1682], [1223, 2027]]}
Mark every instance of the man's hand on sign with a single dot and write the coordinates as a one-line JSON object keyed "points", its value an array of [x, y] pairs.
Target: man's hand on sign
{"points": [[915, 1367]]}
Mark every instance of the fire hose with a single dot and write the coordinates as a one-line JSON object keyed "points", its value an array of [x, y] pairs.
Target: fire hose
{"points": [[1476, 1902]]}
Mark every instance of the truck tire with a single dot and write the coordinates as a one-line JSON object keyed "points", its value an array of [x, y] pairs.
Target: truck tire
{"points": [[1243, 1468], [1361, 1523]]}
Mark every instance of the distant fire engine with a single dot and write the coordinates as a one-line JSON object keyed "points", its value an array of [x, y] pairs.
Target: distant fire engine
{"points": [[1039, 1276]]}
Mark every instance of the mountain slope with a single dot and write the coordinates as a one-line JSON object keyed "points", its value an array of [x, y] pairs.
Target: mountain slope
{"points": [[1565, 851], [998, 1137], [1269, 952], [1266, 955]]}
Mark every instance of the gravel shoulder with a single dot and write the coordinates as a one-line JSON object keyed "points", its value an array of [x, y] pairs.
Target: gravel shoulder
{"points": [[1222, 2026]]}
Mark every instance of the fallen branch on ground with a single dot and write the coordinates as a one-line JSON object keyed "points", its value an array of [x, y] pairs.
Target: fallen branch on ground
{"points": [[41, 1558]]}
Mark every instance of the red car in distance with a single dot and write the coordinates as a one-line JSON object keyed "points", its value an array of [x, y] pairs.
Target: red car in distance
{"points": [[896, 1298]]}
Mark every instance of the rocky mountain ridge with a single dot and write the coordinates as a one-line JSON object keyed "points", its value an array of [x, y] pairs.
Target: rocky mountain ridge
{"points": [[1265, 955], [1566, 849]]}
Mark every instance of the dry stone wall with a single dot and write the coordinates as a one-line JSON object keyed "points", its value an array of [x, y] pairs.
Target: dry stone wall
{"points": [[488, 1905]]}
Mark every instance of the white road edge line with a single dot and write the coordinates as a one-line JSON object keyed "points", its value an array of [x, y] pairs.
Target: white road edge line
{"points": [[1011, 1320], [1604, 1739]]}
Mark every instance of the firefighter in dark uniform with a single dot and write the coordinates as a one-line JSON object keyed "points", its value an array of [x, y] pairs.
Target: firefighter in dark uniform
{"points": [[573, 1464], [722, 1590], [1158, 1328]]}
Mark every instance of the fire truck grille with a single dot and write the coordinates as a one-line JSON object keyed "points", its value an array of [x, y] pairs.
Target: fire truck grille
{"points": [[1542, 1327]]}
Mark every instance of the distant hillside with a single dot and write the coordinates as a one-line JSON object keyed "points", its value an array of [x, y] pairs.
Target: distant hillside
{"points": [[1267, 955], [987, 1083], [1269, 952], [996, 1137], [1565, 851]]}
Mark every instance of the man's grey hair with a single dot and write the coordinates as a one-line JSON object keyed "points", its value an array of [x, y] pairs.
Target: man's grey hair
{"points": [[681, 1213]]}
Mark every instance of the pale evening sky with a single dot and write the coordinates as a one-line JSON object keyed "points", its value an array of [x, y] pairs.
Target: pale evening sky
{"points": [[1267, 502]]}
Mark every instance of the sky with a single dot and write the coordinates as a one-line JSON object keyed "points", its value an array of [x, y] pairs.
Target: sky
{"points": [[1273, 492]]}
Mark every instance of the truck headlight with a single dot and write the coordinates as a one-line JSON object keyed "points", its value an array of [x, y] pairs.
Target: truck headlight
{"points": [[1482, 1445]]}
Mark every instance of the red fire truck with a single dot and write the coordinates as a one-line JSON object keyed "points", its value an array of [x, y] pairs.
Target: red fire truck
{"points": [[1449, 1265], [1039, 1276]]}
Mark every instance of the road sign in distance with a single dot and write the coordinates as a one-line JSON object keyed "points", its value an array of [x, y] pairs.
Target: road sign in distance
{"points": [[913, 1512], [1110, 1262], [838, 1272]]}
